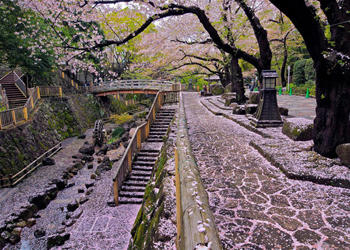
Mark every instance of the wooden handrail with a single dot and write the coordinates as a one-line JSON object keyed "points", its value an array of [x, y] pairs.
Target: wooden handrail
{"points": [[14, 179], [140, 135], [13, 116]]}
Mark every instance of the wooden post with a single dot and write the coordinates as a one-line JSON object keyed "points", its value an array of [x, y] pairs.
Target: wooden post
{"points": [[25, 113], [115, 192], [154, 113], [31, 102], [130, 160], [76, 86], [139, 140], [60, 91], [0, 123], [38, 91], [13, 117], [62, 74], [147, 129]]}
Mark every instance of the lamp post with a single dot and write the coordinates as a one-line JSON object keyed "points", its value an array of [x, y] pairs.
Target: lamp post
{"points": [[268, 114]]}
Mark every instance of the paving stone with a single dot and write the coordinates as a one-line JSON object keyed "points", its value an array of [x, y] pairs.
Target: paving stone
{"points": [[271, 237], [262, 199], [279, 201], [312, 218], [307, 237], [287, 223]]}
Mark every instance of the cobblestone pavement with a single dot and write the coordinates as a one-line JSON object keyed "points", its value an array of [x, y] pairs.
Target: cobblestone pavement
{"points": [[254, 204], [298, 106]]}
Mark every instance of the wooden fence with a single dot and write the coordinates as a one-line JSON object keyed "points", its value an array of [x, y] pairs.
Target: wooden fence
{"points": [[14, 179], [13, 117], [140, 135]]}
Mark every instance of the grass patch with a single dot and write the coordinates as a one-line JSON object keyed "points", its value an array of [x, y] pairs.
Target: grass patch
{"points": [[121, 119], [116, 134]]}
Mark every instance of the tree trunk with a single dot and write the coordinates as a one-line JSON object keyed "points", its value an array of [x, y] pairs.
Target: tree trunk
{"points": [[332, 122], [237, 81], [283, 68]]}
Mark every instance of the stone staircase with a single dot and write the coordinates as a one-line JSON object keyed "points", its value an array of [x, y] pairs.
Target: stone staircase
{"points": [[133, 188], [16, 97]]}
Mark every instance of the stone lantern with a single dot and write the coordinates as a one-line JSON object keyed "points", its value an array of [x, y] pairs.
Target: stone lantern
{"points": [[268, 114]]}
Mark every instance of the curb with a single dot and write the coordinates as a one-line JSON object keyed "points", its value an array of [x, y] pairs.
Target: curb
{"points": [[195, 221]]}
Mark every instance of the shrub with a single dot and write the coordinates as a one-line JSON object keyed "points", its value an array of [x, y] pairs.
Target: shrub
{"points": [[120, 119], [310, 74], [299, 72]]}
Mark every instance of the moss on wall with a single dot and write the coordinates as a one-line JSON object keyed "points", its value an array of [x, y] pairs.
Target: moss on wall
{"points": [[152, 207], [54, 120]]}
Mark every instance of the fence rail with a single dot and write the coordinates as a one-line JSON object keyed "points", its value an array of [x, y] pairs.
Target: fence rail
{"points": [[140, 135], [14, 179], [14, 116]]}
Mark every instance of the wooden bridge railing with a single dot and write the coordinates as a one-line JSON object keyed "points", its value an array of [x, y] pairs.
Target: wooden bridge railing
{"points": [[140, 135]]}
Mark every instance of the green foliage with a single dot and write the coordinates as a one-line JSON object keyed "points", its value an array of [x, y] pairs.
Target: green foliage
{"points": [[119, 107], [301, 89], [23, 50], [310, 73], [116, 134], [152, 208], [304, 71], [121, 119], [299, 72], [196, 81]]}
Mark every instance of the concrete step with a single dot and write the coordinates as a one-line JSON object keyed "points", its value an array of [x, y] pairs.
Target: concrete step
{"points": [[132, 189], [148, 154], [138, 178], [144, 163], [127, 200], [146, 158], [133, 183], [154, 140], [131, 194], [142, 168], [140, 173]]}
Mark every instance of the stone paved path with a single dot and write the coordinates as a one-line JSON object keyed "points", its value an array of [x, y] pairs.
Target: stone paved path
{"points": [[254, 204], [298, 106]]}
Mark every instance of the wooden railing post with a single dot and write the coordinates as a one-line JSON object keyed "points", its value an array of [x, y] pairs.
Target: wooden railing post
{"points": [[130, 159], [116, 192], [62, 74], [154, 113], [38, 91], [31, 102], [13, 117], [25, 113], [138, 140], [60, 92]]}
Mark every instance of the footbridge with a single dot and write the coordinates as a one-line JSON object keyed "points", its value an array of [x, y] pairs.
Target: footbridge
{"points": [[134, 87]]}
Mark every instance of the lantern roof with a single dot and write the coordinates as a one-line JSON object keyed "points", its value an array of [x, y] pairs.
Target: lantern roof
{"points": [[269, 74]]}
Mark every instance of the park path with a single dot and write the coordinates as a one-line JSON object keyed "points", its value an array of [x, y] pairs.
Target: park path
{"points": [[298, 106], [255, 206]]}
